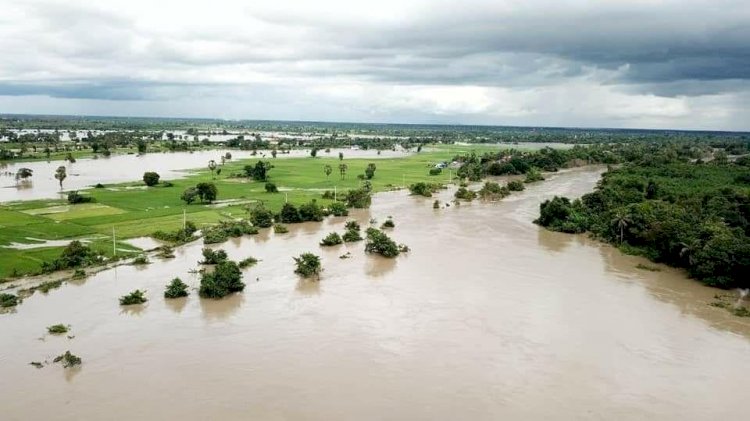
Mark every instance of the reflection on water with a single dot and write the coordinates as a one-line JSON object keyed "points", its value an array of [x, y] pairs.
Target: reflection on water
{"points": [[217, 310], [176, 304], [487, 317]]}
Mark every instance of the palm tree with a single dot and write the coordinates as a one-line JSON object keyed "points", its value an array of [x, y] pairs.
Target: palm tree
{"points": [[622, 220], [328, 170], [342, 170], [61, 174]]}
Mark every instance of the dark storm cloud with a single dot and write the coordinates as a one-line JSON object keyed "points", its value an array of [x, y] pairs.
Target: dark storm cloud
{"points": [[414, 51]]}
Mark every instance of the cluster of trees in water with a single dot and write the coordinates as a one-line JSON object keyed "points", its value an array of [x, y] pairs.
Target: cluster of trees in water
{"points": [[671, 209]]}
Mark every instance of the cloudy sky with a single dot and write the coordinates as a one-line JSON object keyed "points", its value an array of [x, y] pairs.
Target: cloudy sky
{"points": [[606, 63]]}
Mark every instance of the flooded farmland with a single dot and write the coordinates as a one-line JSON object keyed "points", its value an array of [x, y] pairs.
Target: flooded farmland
{"points": [[488, 317], [85, 173]]}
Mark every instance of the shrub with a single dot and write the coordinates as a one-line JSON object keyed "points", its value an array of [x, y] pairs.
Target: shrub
{"points": [[166, 252], [58, 329], [289, 214], [68, 360], [135, 297], [311, 211], [211, 257], [352, 225], [8, 300], [465, 194], [378, 242], [280, 229], [271, 188], [493, 191], [329, 195], [99, 186], [358, 198], [247, 262], [224, 280], [533, 175], [351, 236], [141, 260], [176, 289], [150, 178], [261, 217], [338, 209], [436, 204], [331, 239], [515, 185], [181, 236], [75, 198], [45, 287], [308, 265], [370, 171], [436, 171], [388, 223], [79, 274]]}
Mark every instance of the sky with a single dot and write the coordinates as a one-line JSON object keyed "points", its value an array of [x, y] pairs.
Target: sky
{"points": [[679, 64]]}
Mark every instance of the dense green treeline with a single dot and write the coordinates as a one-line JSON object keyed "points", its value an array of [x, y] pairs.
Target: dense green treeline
{"points": [[687, 214]]}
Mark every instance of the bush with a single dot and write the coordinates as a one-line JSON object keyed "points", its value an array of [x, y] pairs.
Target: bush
{"points": [[75, 198], [424, 189], [271, 188], [436, 204], [280, 229], [289, 214], [224, 280], [533, 176], [358, 198], [247, 262], [79, 274], [338, 209], [378, 242], [57, 329], [211, 257], [331, 239], [465, 194], [150, 178], [135, 297], [74, 255], [181, 236], [311, 211], [436, 171], [141, 260], [351, 236], [8, 300], [388, 223], [176, 289], [515, 185], [493, 191], [261, 217], [308, 265], [352, 225], [68, 360]]}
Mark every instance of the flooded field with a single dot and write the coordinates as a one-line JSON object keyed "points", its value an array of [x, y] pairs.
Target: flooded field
{"points": [[86, 173], [488, 317]]}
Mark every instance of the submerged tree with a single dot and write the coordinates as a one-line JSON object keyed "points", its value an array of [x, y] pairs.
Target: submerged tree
{"points": [[61, 174], [308, 265], [23, 173]]}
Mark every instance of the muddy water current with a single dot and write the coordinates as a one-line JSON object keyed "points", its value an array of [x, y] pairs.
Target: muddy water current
{"points": [[488, 317]]}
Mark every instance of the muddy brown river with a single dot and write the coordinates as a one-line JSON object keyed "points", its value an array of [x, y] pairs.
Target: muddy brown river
{"points": [[488, 317]]}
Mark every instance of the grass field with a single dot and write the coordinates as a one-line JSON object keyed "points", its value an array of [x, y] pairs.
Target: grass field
{"points": [[140, 212]]}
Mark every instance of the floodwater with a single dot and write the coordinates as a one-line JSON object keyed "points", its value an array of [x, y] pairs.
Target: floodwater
{"points": [[120, 168], [488, 317]]}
